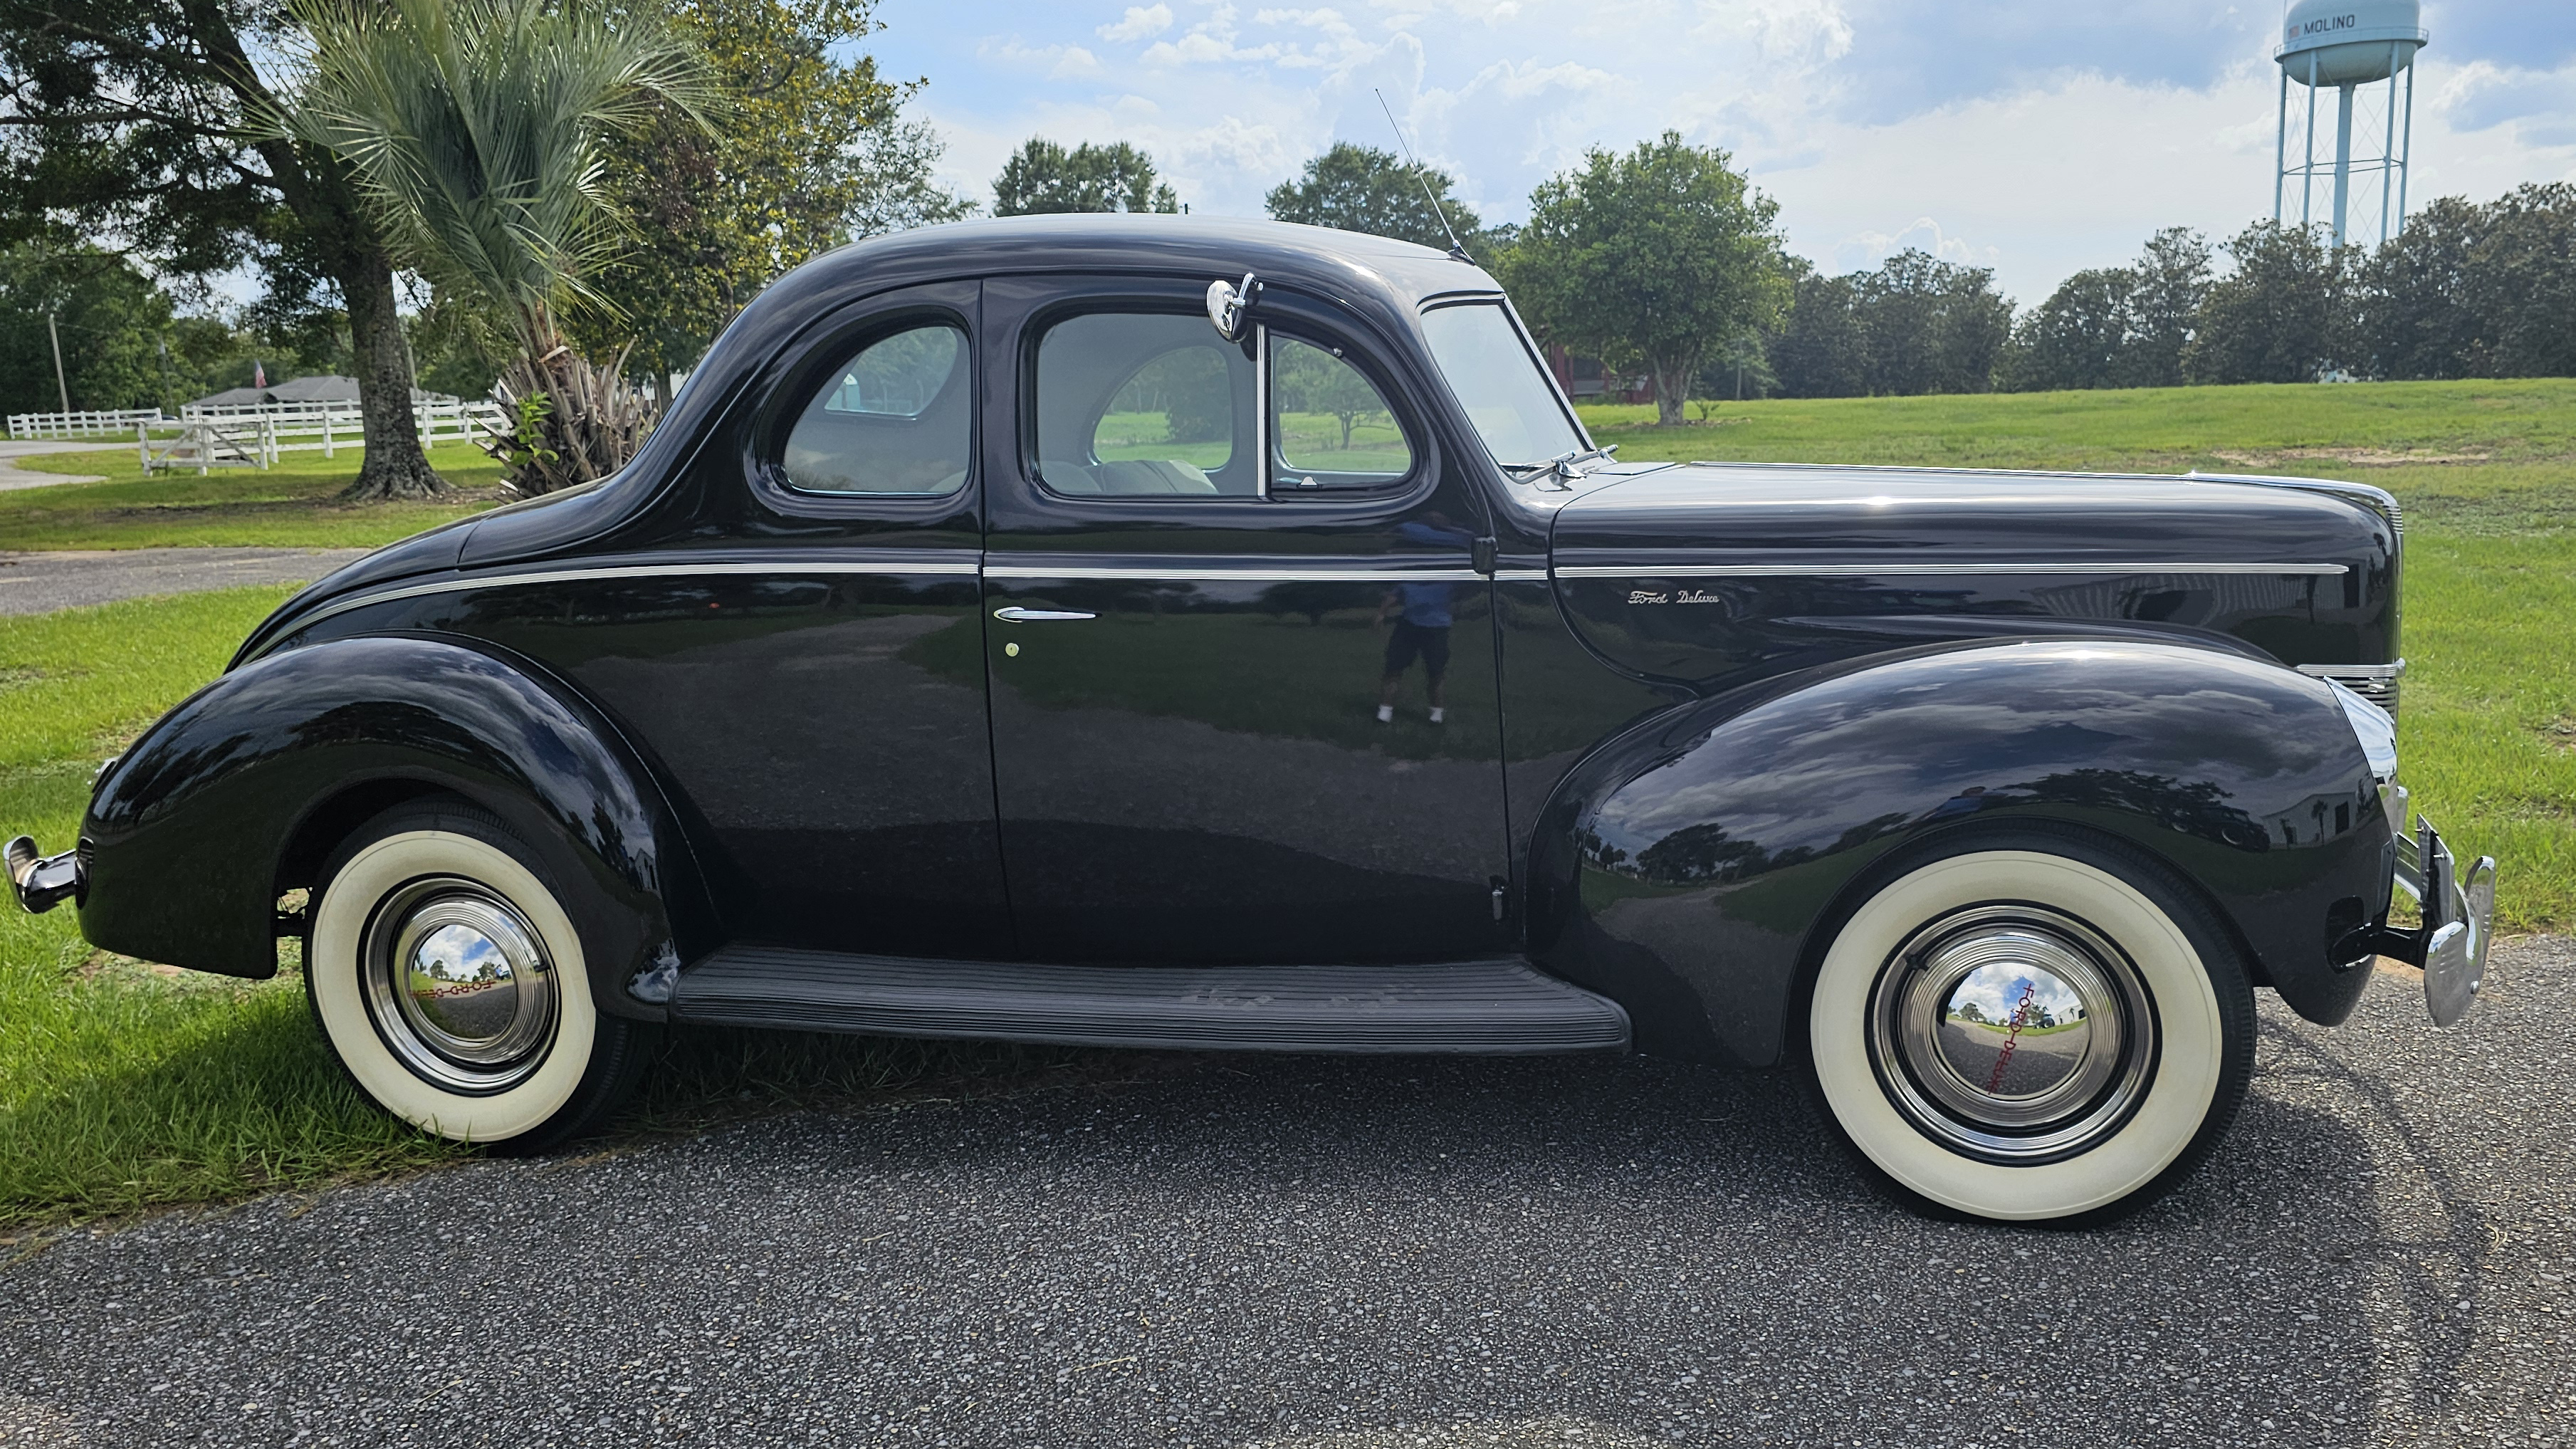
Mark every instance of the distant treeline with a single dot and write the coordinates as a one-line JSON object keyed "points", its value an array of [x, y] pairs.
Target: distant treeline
{"points": [[2467, 290]]}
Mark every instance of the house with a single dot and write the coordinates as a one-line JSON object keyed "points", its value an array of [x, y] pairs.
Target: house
{"points": [[1585, 381], [339, 394]]}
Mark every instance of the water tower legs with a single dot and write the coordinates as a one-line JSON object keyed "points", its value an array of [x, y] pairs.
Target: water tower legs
{"points": [[2308, 146], [2406, 156], [2343, 157], [2388, 147], [2281, 149]]}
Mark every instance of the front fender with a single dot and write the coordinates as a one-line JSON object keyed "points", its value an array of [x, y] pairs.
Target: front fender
{"points": [[187, 834], [1685, 867]]}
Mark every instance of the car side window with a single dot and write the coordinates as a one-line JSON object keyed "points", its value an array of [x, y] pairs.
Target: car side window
{"points": [[1143, 404], [1331, 426], [896, 417]]}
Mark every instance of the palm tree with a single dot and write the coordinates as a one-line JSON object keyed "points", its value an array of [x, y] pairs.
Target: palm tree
{"points": [[476, 131]]}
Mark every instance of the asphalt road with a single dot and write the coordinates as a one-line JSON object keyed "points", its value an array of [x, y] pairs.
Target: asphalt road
{"points": [[1339, 1254], [14, 477], [35, 583]]}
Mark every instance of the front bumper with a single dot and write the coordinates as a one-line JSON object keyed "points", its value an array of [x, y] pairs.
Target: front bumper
{"points": [[2458, 914]]}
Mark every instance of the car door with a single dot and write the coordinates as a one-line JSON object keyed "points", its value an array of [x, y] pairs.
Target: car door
{"points": [[795, 638], [1226, 586]]}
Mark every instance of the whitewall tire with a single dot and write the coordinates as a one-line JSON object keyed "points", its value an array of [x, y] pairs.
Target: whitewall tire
{"points": [[2030, 1028], [451, 982]]}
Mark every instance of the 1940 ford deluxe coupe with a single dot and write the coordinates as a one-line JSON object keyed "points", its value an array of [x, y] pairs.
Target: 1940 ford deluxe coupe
{"points": [[1162, 632]]}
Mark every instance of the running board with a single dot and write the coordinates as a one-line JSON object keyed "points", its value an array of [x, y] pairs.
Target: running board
{"points": [[1465, 1006]]}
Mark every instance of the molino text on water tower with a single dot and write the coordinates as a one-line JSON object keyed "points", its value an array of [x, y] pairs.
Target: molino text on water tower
{"points": [[2364, 52]]}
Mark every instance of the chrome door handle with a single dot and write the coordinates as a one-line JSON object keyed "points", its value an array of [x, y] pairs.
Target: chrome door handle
{"points": [[1014, 614]]}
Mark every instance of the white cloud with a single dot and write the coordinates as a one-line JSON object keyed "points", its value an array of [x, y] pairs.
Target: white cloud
{"points": [[1875, 123], [1141, 22], [1059, 62]]}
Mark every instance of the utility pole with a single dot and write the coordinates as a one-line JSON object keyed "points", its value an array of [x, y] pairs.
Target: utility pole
{"points": [[61, 389]]}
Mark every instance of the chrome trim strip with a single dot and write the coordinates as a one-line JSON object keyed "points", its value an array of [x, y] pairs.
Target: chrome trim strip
{"points": [[1520, 576], [1186, 574], [1900, 569], [939, 568], [2355, 671], [1260, 410]]}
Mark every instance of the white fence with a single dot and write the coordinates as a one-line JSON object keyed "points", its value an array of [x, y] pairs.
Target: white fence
{"points": [[253, 437], [257, 434], [84, 425]]}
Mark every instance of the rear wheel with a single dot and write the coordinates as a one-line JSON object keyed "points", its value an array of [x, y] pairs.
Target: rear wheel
{"points": [[452, 984], [2030, 1028]]}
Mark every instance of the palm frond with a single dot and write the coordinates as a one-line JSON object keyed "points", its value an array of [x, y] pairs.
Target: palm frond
{"points": [[476, 132]]}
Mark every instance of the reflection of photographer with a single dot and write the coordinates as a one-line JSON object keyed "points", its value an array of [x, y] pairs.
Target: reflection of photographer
{"points": [[1422, 620], [1421, 627]]}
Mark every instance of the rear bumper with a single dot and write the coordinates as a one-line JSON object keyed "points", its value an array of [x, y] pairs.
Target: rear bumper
{"points": [[2458, 914], [42, 881]]}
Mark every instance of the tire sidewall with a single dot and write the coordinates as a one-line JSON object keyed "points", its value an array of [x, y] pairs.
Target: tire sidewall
{"points": [[2203, 1045], [363, 879]]}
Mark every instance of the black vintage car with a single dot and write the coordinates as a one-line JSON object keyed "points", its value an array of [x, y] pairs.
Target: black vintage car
{"points": [[1172, 633]]}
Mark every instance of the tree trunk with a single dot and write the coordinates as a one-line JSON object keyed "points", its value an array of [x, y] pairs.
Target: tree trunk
{"points": [[395, 466], [326, 205], [1672, 389], [576, 421]]}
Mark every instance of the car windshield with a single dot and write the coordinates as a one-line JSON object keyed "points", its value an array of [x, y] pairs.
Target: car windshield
{"points": [[1506, 394]]}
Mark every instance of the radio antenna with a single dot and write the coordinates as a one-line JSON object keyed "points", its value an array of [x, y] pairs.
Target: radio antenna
{"points": [[1457, 248]]}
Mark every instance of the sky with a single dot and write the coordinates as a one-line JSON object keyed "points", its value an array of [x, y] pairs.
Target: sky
{"points": [[2032, 139]]}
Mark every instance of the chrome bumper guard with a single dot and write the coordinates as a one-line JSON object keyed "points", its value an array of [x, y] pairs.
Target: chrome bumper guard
{"points": [[41, 881], [2459, 915]]}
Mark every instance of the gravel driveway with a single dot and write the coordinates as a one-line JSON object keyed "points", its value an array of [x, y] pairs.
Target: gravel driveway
{"points": [[34, 583], [1375, 1253]]}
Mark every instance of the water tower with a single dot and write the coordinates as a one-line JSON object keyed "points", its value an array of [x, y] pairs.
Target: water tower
{"points": [[2350, 47]]}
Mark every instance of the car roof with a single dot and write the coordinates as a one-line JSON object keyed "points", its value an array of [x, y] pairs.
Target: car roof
{"points": [[1324, 258]]}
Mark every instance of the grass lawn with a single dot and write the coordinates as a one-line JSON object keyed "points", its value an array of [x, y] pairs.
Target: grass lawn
{"points": [[124, 1086], [288, 506]]}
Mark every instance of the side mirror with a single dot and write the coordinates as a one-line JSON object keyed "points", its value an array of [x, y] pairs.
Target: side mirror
{"points": [[1230, 303]]}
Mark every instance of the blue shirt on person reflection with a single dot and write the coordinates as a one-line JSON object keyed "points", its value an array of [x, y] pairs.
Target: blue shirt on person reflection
{"points": [[1426, 606]]}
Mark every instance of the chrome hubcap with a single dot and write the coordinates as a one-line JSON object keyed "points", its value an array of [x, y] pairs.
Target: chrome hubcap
{"points": [[2013, 1033], [459, 985]]}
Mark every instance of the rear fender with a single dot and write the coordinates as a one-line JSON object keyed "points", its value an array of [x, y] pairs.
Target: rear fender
{"points": [[1683, 867], [193, 833]]}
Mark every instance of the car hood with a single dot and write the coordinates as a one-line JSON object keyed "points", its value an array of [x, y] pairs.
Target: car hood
{"points": [[1718, 574]]}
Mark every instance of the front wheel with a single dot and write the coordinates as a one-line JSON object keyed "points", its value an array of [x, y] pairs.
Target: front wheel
{"points": [[451, 983], [2031, 1028]]}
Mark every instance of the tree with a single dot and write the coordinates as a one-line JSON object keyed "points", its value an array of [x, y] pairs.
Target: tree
{"points": [[1819, 351], [1930, 325], [2471, 290], [476, 132], [133, 119], [810, 151], [1741, 367], [1044, 179], [2170, 284], [111, 318], [2078, 337], [1311, 380], [2416, 290], [1654, 258], [2522, 283], [1360, 188], [2115, 326], [2282, 315]]}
